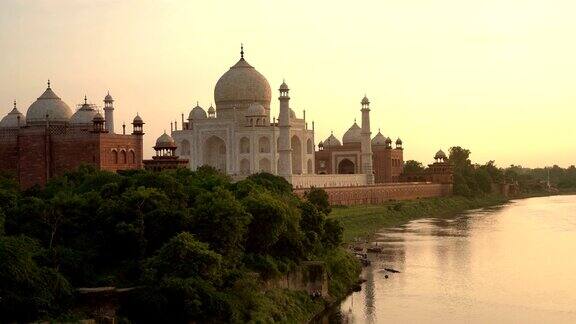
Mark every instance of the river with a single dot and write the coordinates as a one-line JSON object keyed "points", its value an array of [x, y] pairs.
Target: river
{"points": [[511, 264]]}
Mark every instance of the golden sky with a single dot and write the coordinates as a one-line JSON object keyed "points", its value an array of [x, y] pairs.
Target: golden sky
{"points": [[495, 76]]}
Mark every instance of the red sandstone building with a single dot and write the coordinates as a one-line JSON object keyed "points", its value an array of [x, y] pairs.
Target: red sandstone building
{"points": [[51, 140], [165, 157]]}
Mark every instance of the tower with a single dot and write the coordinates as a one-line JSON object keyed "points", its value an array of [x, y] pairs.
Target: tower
{"points": [[109, 113], [285, 149], [366, 144]]}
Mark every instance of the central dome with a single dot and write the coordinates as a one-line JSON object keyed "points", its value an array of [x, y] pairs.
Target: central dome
{"points": [[241, 86]]}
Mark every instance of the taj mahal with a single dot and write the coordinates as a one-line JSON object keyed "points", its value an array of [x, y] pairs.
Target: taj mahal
{"points": [[240, 137]]}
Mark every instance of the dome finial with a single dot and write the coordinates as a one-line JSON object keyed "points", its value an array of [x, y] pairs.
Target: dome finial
{"points": [[241, 50], [48, 83], [85, 100], [14, 103]]}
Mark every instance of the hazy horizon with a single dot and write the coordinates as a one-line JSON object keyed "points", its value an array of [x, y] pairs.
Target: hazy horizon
{"points": [[495, 77]]}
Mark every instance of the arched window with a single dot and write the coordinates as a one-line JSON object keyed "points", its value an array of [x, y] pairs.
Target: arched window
{"points": [[309, 168], [132, 157], [264, 145], [122, 157], [185, 147], [114, 157], [265, 165], [244, 145], [245, 167], [309, 146]]}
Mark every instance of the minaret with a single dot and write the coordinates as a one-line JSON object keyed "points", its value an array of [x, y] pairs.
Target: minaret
{"points": [[109, 113], [366, 149], [285, 149]]}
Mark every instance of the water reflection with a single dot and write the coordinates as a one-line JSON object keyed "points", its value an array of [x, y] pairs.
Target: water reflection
{"points": [[500, 265]]}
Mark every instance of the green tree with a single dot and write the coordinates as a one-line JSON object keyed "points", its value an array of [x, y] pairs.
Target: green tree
{"points": [[319, 198], [412, 167]]}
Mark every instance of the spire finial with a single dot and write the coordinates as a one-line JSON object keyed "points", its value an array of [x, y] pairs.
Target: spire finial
{"points": [[241, 50], [378, 130], [48, 83], [85, 100], [14, 103]]}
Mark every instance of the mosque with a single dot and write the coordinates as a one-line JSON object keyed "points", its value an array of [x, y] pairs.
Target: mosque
{"points": [[240, 137], [52, 139]]}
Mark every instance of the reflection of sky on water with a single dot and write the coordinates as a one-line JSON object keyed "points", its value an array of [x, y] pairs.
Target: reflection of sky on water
{"points": [[509, 264]]}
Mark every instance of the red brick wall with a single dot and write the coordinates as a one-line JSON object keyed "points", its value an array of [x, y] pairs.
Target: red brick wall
{"points": [[8, 154], [382, 193]]}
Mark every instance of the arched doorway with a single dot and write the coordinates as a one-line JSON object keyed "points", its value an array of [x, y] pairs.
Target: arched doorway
{"points": [[265, 165], [296, 155], [185, 148], [264, 145], [346, 167], [245, 167], [215, 153]]}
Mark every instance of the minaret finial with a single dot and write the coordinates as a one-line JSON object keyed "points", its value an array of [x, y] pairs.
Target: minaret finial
{"points": [[48, 83], [85, 99], [241, 50], [378, 130], [14, 103]]}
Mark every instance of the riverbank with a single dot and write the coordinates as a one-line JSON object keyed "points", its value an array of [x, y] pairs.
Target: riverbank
{"points": [[361, 222]]}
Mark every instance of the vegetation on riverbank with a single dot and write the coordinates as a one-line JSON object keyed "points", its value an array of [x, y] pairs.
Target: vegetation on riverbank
{"points": [[199, 247], [362, 221]]}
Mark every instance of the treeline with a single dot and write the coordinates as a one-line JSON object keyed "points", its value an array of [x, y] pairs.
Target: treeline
{"points": [[471, 179], [192, 242]]}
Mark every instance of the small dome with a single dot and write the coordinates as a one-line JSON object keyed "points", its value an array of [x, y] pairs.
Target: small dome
{"points": [[440, 155], [165, 141], [84, 115], [352, 135], [379, 139], [211, 110], [11, 119], [108, 97], [197, 113], [320, 144], [255, 109], [332, 141], [388, 140], [138, 120], [284, 86], [98, 117], [365, 100], [48, 104], [398, 141]]}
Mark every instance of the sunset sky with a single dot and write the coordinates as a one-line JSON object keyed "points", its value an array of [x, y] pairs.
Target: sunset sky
{"points": [[495, 76]]}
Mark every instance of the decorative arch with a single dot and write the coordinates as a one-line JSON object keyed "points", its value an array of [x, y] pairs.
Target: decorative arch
{"points": [[122, 157], [265, 165], [244, 145], [132, 157], [214, 153], [185, 147], [309, 146], [264, 144], [346, 166], [309, 168], [296, 155], [245, 167], [114, 157]]}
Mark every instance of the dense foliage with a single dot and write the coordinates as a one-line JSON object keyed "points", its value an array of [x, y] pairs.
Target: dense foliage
{"points": [[195, 242], [472, 179]]}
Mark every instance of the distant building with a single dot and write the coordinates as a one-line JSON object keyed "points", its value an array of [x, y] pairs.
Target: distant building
{"points": [[441, 171], [52, 139], [165, 157], [346, 157]]}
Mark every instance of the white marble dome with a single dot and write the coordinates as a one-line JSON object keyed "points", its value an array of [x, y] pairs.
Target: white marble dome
{"points": [[241, 84], [197, 113], [255, 109], [84, 115], [11, 119], [48, 104], [332, 141], [379, 139], [352, 135]]}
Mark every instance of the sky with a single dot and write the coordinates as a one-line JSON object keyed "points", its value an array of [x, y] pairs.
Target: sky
{"points": [[495, 76]]}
